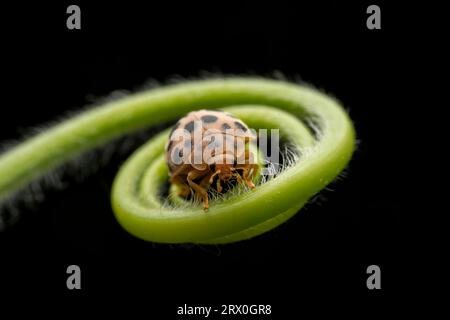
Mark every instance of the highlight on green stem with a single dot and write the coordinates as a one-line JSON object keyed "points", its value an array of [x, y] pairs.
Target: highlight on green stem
{"points": [[314, 123]]}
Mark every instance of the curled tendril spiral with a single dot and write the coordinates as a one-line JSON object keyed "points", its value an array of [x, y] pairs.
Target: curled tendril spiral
{"points": [[314, 123]]}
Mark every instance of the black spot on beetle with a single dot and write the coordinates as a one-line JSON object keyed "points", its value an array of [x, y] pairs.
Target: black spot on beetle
{"points": [[225, 126], [240, 126], [190, 126], [177, 154], [209, 119]]}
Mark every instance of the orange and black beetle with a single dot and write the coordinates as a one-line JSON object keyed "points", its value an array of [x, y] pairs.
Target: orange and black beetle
{"points": [[221, 141]]}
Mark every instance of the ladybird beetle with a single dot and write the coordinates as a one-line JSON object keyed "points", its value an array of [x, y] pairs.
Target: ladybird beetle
{"points": [[209, 145]]}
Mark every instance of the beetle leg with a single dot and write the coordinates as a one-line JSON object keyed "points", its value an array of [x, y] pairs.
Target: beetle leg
{"points": [[247, 176], [238, 177], [204, 183], [219, 186], [213, 175], [249, 169], [200, 191]]}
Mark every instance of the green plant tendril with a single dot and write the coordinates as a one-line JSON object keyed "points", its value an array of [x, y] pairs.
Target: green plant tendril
{"points": [[136, 201]]}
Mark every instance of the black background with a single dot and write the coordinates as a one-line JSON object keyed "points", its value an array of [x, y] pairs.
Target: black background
{"points": [[319, 256]]}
